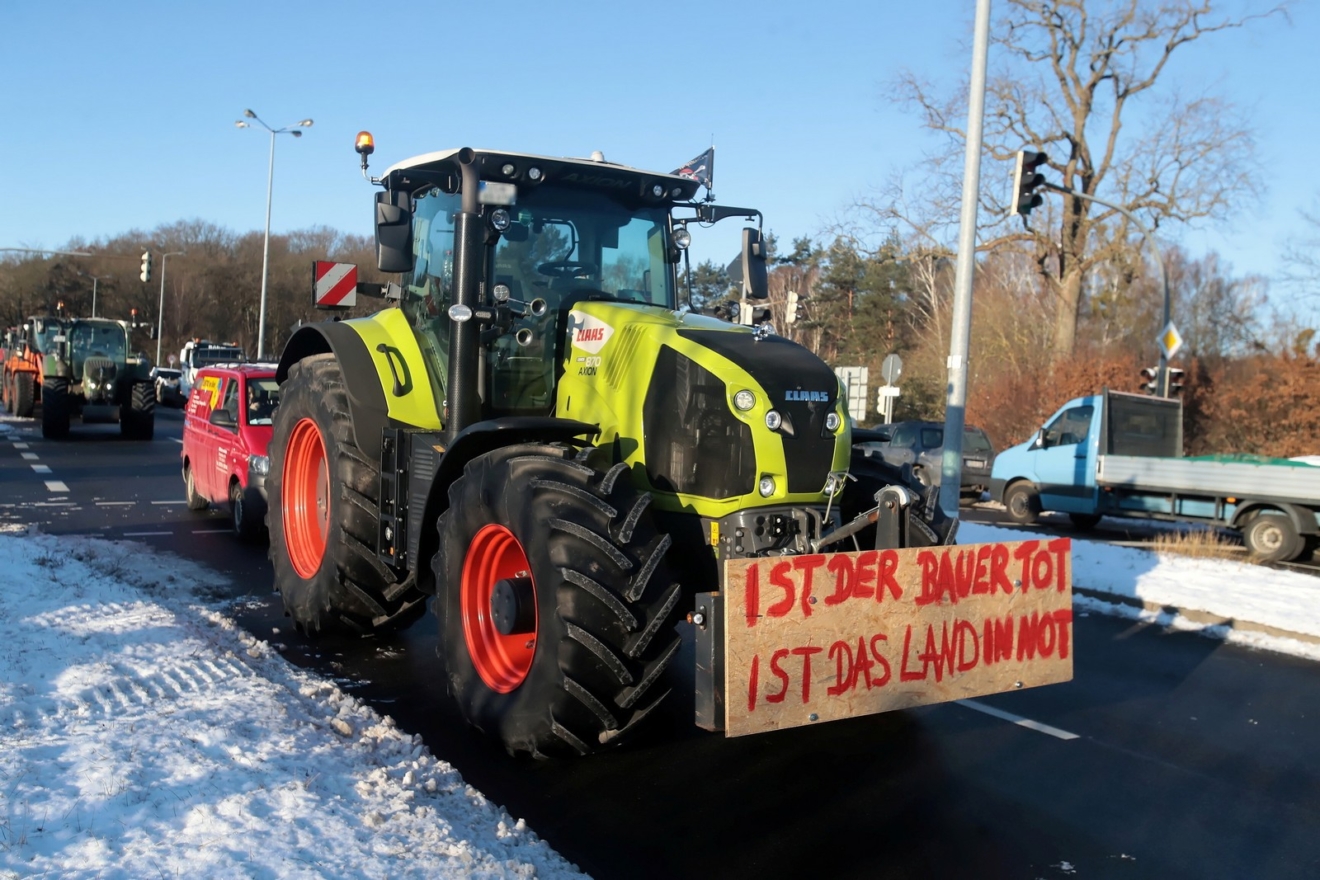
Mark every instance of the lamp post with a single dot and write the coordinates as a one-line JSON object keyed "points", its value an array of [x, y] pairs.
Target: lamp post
{"points": [[95, 280], [270, 181], [160, 310]]}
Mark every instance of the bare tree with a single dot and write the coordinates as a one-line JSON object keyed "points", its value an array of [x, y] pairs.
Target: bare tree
{"points": [[1069, 75]]}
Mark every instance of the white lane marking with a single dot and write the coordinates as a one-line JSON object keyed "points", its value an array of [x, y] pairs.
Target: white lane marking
{"points": [[177, 440], [211, 531], [20, 446], [1017, 719], [54, 504], [41, 468], [169, 502], [115, 503], [144, 534], [30, 456], [56, 486]]}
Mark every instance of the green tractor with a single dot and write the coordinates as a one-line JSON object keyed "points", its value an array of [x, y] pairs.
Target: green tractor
{"points": [[89, 374], [541, 436]]}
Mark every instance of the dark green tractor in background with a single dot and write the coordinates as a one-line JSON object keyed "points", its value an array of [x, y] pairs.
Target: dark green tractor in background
{"points": [[90, 374]]}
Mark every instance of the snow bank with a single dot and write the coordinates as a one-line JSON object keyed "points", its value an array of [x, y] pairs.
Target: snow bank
{"points": [[143, 735], [1237, 592]]}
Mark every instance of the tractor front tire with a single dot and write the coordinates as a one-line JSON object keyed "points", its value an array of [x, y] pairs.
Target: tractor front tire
{"points": [[555, 605], [25, 395], [322, 513], [137, 416], [55, 408]]}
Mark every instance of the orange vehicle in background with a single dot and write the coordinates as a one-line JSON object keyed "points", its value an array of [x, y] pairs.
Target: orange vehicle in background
{"points": [[23, 367]]}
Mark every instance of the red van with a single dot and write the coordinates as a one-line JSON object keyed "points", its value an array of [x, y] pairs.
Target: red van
{"points": [[226, 429]]}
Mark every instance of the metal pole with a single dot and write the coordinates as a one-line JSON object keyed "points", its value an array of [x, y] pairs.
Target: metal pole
{"points": [[1162, 381], [265, 254], [960, 336], [160, 311], [94, 281]]}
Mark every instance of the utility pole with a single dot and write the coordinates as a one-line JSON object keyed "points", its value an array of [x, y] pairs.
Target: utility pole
{"points": [[160, 311]]}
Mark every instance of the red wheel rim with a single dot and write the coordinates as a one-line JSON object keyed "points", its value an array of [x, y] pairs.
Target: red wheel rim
{"points": [[503, 662], [305, 498]]}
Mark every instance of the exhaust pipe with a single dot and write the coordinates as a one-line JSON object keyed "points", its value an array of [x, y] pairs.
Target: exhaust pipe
{"points": [[464, 343]]}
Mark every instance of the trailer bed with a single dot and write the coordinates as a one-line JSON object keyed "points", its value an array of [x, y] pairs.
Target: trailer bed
{"points": [[1243, 480]]}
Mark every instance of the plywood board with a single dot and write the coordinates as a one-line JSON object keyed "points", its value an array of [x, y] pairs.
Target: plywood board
{"points": [[829, 636]]}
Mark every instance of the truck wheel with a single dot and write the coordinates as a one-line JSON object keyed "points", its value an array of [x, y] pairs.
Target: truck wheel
{"points": [[322, 513], [1271, 537], [555, 605], [1023, 503], [55, 408], [191, 495], [137, 417], [25, 393], [246, 521]]}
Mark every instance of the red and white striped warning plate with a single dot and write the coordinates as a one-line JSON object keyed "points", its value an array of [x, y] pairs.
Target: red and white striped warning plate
{"points": [[335, 285]]}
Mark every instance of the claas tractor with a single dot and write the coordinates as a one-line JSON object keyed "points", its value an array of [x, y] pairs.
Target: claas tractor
{"points": [[24, 362], [540, 437], [89, 373]]}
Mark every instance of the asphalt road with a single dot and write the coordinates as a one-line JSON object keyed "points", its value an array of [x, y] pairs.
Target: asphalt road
{"points": [[1169, 755]]}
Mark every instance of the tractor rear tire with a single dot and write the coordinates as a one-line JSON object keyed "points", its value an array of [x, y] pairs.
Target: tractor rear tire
{"points": [[137, 417], [55, 408], [556, 608], [1022, 503], [322, 513], [25, 395], [191, 496]]}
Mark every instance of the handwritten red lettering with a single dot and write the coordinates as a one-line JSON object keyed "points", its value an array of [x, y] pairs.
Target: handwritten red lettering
{"points": [[1063, 620], [878, 656], [999, 569], [963, 571], [905, 674], [842, 568], [864, 584], [778, 672], [1061, 548], [753, 682], [806, 654], [752, 594], [845, 673], [888, 576], [1024, 554], [807, 565], [980, 580], [780, 578]]}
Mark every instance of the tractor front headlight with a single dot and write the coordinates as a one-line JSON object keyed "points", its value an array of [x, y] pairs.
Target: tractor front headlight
{"points": [[744, 400], [766, 487], [773, 420], [832, 422]]}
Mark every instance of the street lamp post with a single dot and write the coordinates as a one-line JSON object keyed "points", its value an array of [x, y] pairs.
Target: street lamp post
{"points": [[270, 182], [95, 280], [160, 310]]}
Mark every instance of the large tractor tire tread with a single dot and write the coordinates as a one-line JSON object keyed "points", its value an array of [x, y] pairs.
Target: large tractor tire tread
{"points": [[55, 408], [137, 417], [605, 602], [350, 589], [25, 394]]}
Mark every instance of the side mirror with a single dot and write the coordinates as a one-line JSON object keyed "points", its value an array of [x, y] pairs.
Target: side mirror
{"points": [[222, 419], [755, 281], [394, 231], [1038, 442]]}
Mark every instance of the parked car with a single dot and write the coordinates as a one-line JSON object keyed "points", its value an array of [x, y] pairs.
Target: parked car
{"points": [[168, 392], [919, 446], [226, 429]]}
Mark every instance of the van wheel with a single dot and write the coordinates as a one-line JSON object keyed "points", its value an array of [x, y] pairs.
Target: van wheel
{"points": [[1023, 503], [246, 521], [1271, 537], [190, 493]]}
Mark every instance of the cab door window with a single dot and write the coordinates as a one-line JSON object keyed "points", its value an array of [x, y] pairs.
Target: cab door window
{"points": [[1070, 427], [229, 402], [429, 293]]}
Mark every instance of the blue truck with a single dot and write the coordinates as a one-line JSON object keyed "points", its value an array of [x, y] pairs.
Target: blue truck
{"points": [[1114, 454]]}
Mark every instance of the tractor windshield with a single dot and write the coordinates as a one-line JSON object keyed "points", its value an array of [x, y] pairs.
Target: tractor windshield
{"points": [[44, 334], [566, 246], [97, 339]]}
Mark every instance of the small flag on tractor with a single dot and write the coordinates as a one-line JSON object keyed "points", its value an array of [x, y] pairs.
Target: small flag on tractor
{"points": [[334, 285], [700, 169]]}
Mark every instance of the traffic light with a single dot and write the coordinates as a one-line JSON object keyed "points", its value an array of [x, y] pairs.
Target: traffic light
{"points": [[1026, 180], [1176, 380], [1151, 375], [145, 274], [793, 311]]}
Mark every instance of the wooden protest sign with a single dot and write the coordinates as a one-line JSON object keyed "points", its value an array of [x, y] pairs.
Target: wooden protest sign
{"points": [[830, 636]]}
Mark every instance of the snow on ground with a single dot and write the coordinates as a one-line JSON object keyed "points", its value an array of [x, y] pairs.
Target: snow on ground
{"points": [[142, 734], [1238, 592]]}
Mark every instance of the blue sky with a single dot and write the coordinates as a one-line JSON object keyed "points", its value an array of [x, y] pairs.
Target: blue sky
{"points": [[120, 115]]}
